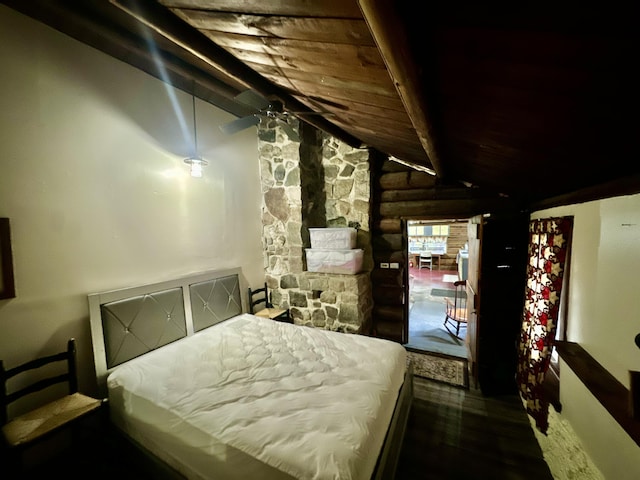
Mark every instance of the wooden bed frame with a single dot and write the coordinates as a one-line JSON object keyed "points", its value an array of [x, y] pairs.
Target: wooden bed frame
{"points": [[130, 322]]}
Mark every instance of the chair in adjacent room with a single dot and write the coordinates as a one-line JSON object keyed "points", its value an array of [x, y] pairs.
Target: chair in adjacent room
{"points": [[425, 260], [27, 429], [456, 309], [260, 305]]}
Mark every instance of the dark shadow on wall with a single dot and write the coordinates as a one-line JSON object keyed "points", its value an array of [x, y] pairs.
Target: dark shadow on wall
{"points": [[312, 176]]}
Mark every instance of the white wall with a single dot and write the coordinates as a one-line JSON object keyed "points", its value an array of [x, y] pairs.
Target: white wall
{"points": [[603, 317], [93, 181]]}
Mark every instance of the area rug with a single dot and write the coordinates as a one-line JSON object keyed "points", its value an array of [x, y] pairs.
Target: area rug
{"points": [[448, 370], [444, 292]]}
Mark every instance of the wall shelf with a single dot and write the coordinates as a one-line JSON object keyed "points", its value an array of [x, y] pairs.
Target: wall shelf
{"points": [[612, 394]]}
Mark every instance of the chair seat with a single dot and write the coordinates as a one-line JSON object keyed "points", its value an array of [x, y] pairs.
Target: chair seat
{"points": [[272, 313], [32, 425], [458, 315], [268, 311]]}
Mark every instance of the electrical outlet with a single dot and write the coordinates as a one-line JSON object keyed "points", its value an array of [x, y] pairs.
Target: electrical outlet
{"points": [[394, 265], [384, 265]]}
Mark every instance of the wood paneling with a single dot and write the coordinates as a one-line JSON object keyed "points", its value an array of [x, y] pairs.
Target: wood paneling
{"points": [[485, 97], [455, 241]]}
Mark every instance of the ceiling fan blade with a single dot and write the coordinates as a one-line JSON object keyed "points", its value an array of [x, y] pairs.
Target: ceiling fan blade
{"points": [[253, 99], [240, 124], [291, 133]]}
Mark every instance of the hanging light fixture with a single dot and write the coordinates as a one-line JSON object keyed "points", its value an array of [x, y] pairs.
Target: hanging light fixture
{"points": [[195, 161]]}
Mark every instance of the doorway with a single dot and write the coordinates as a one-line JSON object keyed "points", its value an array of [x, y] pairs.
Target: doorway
{"points": [[430, 282]]}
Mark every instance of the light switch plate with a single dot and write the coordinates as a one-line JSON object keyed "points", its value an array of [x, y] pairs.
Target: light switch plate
{"points": [[394, 265], [384, 265]]}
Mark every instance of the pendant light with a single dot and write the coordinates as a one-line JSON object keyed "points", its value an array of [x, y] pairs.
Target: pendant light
{"points": [[195, 161]]}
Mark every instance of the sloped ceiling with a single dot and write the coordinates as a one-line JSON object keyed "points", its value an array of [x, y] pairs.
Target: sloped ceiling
{"points": [[532, 103]]}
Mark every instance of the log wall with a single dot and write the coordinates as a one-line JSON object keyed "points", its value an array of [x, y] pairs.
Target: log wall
{"points": [[400, 194]]}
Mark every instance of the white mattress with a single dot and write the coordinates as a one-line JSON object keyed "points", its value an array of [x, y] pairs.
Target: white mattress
{"points": [[255, 398]]}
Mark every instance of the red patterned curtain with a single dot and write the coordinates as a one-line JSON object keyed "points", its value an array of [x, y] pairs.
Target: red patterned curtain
{"points": [[548, 245]]}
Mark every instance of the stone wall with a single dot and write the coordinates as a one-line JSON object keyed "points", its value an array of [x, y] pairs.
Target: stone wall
{"points": [[316, 182]]}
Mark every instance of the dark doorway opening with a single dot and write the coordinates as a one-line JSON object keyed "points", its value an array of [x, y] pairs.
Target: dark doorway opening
{"points": [[430, 282]]}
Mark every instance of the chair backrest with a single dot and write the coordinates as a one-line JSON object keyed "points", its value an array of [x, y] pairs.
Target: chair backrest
{"points": [[460, 298], [69, 376], [258, 296], [425, 259]]}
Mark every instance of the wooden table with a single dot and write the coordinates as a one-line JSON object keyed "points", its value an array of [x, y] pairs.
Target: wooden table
{"points": [[436, 255]]}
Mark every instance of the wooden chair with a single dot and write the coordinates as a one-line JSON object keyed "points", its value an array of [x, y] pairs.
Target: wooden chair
{"points": [[261, 296], [456, 309], [29, 428], [425, 260]]}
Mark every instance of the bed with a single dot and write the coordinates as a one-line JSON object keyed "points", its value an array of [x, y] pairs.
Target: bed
{"points": [[214, 392]]}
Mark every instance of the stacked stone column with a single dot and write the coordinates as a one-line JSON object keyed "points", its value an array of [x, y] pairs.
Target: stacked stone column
{"points": [[317, 182]]}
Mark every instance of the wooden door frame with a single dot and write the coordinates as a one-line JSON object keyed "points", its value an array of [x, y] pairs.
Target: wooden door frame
{"points": [[405, 279], [474, 233]]}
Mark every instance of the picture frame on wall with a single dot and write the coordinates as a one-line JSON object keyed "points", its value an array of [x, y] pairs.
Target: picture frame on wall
{"points": [[7, 284]]}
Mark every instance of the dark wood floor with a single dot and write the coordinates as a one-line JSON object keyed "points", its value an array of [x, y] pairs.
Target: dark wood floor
{"points": [[452, 433], [456, 433]]}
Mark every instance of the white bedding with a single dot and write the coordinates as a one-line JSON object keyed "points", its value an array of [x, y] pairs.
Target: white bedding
{"points": [[255, 398]]}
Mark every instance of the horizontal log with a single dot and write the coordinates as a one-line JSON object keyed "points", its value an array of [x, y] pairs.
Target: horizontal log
{"points": [[387, 241], [435, 193], [443, 208], [389, 225], [389, 321], [388, 314], [388, 329], [406, 180], [407, 195], [388, 295], [387, 276], [388, 256]]}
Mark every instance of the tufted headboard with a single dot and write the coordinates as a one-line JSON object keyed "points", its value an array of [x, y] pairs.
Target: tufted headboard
{"points": [[130, 322]]}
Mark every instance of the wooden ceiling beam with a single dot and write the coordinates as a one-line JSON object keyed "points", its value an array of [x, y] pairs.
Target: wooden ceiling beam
{"points": [[629, 185], [392, 40]]}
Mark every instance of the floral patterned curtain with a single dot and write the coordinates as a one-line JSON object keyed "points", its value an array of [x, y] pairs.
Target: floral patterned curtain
{"points": [[548, 245]]}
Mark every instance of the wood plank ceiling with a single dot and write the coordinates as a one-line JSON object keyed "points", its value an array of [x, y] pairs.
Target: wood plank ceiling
{"points": [[529, 102]]}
